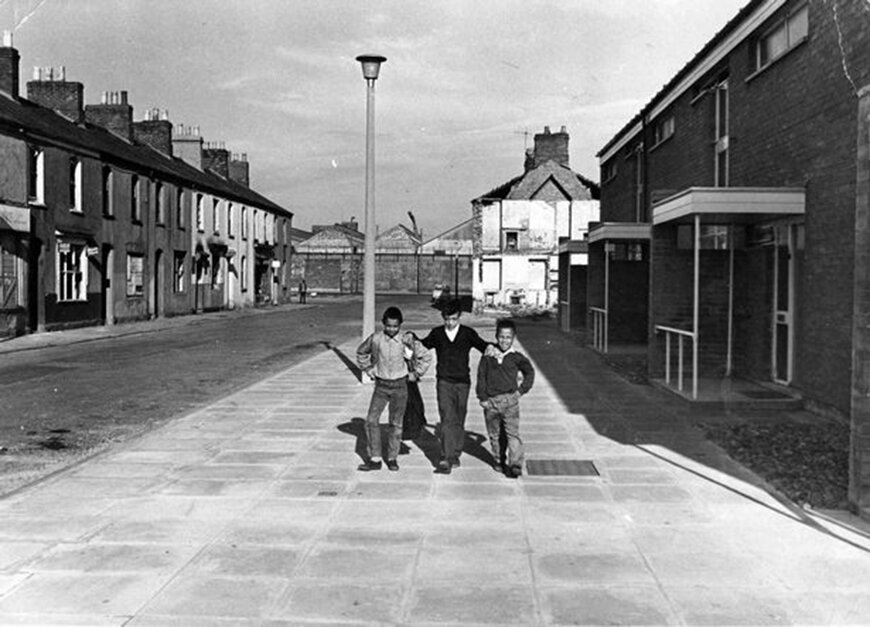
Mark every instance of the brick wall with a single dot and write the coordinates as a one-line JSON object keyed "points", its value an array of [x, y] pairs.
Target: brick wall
{"points": [[343, 273]]}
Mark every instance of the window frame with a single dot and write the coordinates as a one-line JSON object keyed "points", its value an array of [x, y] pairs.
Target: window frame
{"points": [[179, 208], [511, 234], [73, 264], [108, 181], [36, 176], [663, 129], [159, 203], [179, 270], [783, 24], [200, 213], [75, 185], [132, 273], [135, 199]]}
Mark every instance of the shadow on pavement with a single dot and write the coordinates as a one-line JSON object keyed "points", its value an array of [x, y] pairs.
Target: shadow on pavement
{"points": [[635, 415], [347, 361]]}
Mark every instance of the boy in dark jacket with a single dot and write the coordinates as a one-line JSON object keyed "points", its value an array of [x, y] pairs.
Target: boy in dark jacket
{"points": [[452, 343], [499, 393]]}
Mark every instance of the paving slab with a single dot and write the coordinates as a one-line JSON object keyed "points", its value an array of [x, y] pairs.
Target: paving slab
{"points": [[251, 511]]}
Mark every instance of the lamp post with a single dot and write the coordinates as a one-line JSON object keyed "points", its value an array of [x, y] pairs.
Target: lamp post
{"points": [[371, 65]]}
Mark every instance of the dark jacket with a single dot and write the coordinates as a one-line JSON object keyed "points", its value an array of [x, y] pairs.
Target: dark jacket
{"points": [[453, 356], [495, 378]]}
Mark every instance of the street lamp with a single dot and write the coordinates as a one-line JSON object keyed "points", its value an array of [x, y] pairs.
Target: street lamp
{"points": [[371, 65]]}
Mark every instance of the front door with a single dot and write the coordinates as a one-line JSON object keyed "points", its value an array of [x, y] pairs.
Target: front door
{"points": [[783, 304]]}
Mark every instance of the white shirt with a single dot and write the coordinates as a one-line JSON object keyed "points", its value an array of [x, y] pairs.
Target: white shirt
{"points": [[451, 335]]}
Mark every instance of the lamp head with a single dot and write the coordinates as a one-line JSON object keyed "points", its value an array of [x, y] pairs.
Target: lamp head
{"points": [[371, 65]]}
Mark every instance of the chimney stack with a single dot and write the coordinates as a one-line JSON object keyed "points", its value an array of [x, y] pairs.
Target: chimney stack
{"points": [[9, 63], [155, 131], [50, 89], [187, 144], [216, 158], [240, 171], [551, 147], [113, 114]]}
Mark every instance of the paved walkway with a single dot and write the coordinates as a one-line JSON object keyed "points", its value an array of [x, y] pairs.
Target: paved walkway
{"points": [[250, 511]]}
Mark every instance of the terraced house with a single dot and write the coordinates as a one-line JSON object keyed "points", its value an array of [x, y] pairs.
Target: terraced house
{"points": [[103, 219], [735, 217]]}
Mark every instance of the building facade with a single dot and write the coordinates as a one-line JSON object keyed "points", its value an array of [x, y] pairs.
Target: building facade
{"points": [[739, 194], [517, 226], [105, 220]]}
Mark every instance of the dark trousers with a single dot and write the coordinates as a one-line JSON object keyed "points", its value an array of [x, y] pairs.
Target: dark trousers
{"points": [[395, 394], [452, 408]]}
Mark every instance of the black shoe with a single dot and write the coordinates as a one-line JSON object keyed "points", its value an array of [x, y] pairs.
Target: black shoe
{"points": [[455, 463], [443, 467], [392, 464], [516, 471], [369, 465]]}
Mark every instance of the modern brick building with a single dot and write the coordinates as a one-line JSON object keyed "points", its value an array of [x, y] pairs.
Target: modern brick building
{"points": [[518, 225], [738, 196], [104, 220]]}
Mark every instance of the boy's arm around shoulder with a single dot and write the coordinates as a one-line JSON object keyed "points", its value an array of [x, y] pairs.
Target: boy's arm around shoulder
{"points": [[422, 358], [480, 385], [524, 365]]}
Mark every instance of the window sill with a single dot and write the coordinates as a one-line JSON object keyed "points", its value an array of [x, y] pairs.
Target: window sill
{"points": [[34, 202], [162, 225], [773, 62]]}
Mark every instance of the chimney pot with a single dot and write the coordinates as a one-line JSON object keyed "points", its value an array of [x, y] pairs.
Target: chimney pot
{"points": [[7, 39], [546, 130], [564, 129]]}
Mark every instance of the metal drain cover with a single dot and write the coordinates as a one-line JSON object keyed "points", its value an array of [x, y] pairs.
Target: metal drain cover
{"points": [[562, 467]]}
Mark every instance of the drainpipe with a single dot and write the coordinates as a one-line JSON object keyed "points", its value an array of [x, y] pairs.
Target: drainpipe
{"points": [[696, 304], [729, 358]]}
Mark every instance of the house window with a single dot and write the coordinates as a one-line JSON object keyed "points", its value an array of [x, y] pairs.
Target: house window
{"points": [[72, 271], [244, 223], [179, 264], [108, 196], [200, 213], [159, 203], [217, 274], [785, 35], [627, 251], [10, 296], [664, 129], [135, 279], [256, 225], [721, 144], [215, 222], [36, 176], [75, 185], [243, 268], [230, 230], [135, 213], [511, 240], [179, 208], [711, 237], [608, 170]]}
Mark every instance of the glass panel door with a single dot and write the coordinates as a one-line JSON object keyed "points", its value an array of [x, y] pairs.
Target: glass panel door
{"points": [[783, 305]]}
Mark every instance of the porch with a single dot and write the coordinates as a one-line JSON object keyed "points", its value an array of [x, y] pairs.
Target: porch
{"points": [[618, 285], [723, 293]]}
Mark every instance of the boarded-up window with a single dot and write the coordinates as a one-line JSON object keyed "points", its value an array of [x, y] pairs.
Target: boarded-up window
{"points": [[9, 296], [537, 275], [490, 275], [135, 282]]}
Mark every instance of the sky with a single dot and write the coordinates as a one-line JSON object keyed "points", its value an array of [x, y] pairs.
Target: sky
{"points": [[466, 85]]}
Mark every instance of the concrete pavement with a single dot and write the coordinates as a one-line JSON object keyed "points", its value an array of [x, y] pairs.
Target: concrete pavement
{"points": [[251, 511]]}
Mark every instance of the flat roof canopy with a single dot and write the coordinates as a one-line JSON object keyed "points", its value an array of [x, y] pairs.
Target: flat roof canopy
{"points": [[619, 230], [729, 205]]}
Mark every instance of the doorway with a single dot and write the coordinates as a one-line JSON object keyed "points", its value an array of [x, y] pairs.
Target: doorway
{"points": [[108, 288], [784, 270]]}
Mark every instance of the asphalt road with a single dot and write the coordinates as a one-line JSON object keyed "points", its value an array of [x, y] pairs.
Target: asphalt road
{"points": [[59, 404]]}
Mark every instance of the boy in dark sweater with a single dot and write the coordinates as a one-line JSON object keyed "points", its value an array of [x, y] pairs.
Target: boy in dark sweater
{"points": [[452, 343], [499, 393]]}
